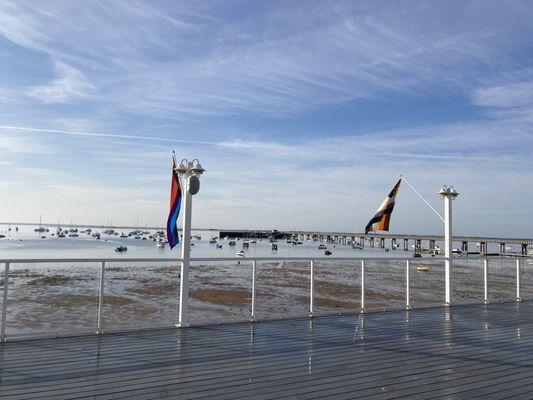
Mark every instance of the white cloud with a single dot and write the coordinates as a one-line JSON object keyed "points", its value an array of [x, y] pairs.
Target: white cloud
{"points": [[71, 85], [189, 61]]}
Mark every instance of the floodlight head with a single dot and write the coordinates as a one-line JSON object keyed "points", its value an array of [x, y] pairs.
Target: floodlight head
{"points": [[182, 167], [197, 168], [448, 191]]}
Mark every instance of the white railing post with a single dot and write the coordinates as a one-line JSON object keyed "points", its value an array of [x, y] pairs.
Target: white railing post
{"points": [[517, 280], [312, 290], [362, 286], [4, 304], [407, 286], [254, 265], [486, 280], [99, 324]]}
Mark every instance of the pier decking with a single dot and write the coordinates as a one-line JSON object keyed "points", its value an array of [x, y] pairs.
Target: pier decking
{"points": [[460, 352]]}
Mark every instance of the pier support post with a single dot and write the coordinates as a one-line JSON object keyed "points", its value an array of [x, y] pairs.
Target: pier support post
{"points": [[464, 247], [418, 246], [524, 249], [502, 249], [371, 243], [406, 245], [448, 194], [393, 244]]}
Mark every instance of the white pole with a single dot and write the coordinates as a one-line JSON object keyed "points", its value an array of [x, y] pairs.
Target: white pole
{"points": [[517, 280], [448, 249], [4, 304], [183, 318], [362, 286], [99, 325], [486, 280], [312, 291], [254, 264], [407, 287]]}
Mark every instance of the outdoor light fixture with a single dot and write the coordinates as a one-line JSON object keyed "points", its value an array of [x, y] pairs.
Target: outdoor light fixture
{"points": [[197, 168], [448, 191], [189, 174]]}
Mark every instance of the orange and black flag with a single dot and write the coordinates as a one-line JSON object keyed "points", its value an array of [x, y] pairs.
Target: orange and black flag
{"points": [[381, 219]]}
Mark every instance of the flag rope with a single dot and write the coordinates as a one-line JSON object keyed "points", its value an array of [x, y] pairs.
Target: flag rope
{"points": [[402, 177]]}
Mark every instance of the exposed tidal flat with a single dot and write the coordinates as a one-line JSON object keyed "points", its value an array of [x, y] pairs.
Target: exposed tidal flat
{"points": [[63, 297]]}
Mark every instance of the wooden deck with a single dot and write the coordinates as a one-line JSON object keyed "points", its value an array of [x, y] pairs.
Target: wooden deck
{"points": [[464, 352]]}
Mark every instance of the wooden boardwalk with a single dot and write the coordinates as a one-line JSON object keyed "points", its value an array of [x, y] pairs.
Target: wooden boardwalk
{"points": [[465, 352]]}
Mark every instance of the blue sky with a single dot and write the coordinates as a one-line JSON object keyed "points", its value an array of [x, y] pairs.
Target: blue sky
{"points": [[303, 113]]}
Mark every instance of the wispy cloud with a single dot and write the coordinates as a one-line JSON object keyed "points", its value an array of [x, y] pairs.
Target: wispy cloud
{"points": [[188, 61], [71, 85]]}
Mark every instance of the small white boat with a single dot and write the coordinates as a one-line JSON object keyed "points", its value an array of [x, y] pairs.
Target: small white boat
{"points": [[240, 254], [423, 268], [161, 245]]}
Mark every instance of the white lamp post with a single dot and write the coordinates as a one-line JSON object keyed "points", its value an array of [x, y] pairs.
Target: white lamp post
{"points": [[189, 173], [448, 193]]}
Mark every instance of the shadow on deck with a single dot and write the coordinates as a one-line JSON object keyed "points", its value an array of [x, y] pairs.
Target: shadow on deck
{"points": [[461, 352]]}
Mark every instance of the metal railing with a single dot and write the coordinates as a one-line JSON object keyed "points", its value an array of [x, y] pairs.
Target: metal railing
{"points": [[253, 260]]}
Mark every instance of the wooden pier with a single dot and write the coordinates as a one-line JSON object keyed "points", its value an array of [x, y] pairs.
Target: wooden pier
{"points": [[460, 352]]}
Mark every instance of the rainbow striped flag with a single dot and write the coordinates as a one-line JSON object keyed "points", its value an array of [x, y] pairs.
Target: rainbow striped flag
{"points": [[173, 236]]}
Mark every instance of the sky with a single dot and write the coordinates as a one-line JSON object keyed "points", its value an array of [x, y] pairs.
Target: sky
{"points": [[303, 113]]}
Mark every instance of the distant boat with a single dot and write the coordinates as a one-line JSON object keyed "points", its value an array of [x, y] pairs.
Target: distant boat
{"points": [[240, 254], [161, 245], [213, 240], [322, 247], [219, 246], [232, 243], [41, 228], [423, 268], [2, 236], [328, 253], [121, 249], [274, 246]]}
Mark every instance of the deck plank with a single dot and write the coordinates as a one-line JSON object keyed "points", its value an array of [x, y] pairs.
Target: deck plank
{"points": [[459, 352]]}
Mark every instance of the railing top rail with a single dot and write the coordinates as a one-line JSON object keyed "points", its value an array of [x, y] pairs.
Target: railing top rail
{"points": [[210, 259]]}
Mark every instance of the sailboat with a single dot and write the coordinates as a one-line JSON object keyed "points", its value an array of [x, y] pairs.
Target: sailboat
{"points": [[41, 228]]}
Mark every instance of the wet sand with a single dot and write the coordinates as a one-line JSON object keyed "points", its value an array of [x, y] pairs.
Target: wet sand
{"points": [[59, 298]]}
